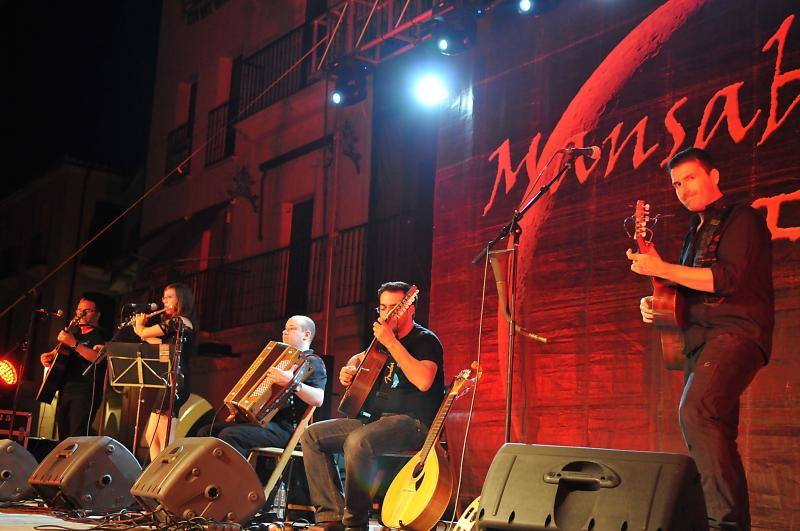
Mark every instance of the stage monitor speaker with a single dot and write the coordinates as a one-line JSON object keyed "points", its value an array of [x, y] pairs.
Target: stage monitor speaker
{"points": [[537, 487], [87, 473], [200, 476], [16, 464]]}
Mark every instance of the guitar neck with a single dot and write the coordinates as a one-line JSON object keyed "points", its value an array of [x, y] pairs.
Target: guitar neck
{"points": [[436, 426]]}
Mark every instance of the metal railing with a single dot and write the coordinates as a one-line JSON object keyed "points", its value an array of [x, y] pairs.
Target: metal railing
{"points": [[350, 258], [260, 69], [220, 145], [254, 290]]}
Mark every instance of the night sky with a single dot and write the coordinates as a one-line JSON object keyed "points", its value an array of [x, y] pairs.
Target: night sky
{"points": [[80, 77]]}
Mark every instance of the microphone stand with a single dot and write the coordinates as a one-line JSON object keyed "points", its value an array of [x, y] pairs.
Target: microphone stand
{"points": [[173, 377], [26, 348], [102, 354], [513, 228]]}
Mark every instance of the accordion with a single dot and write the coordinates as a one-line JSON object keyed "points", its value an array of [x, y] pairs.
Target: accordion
{"points": [[255, 397]]}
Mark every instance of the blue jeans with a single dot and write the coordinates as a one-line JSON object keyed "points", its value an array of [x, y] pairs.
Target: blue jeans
{"points": [[715, 377], [362, 444]]}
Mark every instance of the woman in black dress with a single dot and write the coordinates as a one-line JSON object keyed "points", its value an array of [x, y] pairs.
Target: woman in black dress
{"points": [[176, 321]]}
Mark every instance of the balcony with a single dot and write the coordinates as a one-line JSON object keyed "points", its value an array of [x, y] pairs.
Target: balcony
{"points": [[254, 290], [261, 80]]}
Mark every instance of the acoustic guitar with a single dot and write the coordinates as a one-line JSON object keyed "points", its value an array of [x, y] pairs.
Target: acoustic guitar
{"points": [[53, 378], [372, 365], [668, 303], [420, 492]]}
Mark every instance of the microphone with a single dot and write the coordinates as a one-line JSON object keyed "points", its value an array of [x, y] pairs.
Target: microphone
{"points": [[593, 152], [48, 313], [142, 308]]}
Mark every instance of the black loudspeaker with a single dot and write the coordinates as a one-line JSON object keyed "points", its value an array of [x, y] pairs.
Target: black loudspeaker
{"points": [[87, 473], [536, 487], [201, 476], [16, 464]]}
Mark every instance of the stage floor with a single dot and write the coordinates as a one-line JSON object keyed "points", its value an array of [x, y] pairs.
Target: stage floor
{"points": [[30, 517], [23, 518]]}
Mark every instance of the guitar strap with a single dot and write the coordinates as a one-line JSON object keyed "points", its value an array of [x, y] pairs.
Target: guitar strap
{"points": [[700, 250]]}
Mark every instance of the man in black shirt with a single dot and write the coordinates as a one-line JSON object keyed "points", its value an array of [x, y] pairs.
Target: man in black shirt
{"points": [[79, 396], [412, 387], [299, 333], [725, 275]]}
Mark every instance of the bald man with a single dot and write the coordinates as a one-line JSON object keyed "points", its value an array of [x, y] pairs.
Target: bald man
{"points": [[298, 332]]}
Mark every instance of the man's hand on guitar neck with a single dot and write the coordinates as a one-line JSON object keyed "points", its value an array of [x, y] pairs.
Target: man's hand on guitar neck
{"points": [[648, 264]]}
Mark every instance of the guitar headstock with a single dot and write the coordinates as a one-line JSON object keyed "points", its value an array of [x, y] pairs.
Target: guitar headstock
{"points": [[77, 318], [465, 377], [405, 303], [641, 232]]}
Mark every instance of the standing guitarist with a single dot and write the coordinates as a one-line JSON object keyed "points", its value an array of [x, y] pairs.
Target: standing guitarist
{"points": [[413, 385], [725, 274], [79, 396]]}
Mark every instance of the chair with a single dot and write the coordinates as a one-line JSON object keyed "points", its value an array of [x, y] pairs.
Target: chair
{"points": [[283, 457]]}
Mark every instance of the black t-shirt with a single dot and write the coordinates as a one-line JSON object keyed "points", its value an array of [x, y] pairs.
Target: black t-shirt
{"points": [[76, 364], [736, 244], [396, 394], [292, 410]]}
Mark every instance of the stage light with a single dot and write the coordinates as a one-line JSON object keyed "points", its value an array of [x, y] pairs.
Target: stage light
{"points": [[525, 6], [431, 90], [351, 83], [8, 373], [456, 33]]}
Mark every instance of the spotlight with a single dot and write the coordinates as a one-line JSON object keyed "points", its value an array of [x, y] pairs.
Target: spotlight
{"points": [[456, 33], [525, 6], [8, 373], [351, 83], [431, 90]]}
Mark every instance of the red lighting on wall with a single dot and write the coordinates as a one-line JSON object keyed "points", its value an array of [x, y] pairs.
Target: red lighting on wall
{"points": [[8, 373]]}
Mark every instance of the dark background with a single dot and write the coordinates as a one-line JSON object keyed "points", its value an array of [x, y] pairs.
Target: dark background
{"points": [[79, 81]]}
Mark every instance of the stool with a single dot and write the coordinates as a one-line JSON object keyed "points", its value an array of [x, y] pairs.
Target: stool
{"points": [[284, 457]]}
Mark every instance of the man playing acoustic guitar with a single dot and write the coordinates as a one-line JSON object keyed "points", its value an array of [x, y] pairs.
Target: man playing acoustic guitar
{"points": [[725, 275], [413, 385], [79, 396]]}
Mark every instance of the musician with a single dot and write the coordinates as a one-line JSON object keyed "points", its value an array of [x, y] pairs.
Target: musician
{"points": [[725, 273], [177, 321], [298, 332], [415, 388], [80, 396]]}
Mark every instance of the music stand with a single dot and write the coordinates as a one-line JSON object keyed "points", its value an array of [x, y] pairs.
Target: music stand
{"points": [[139, 365]]}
